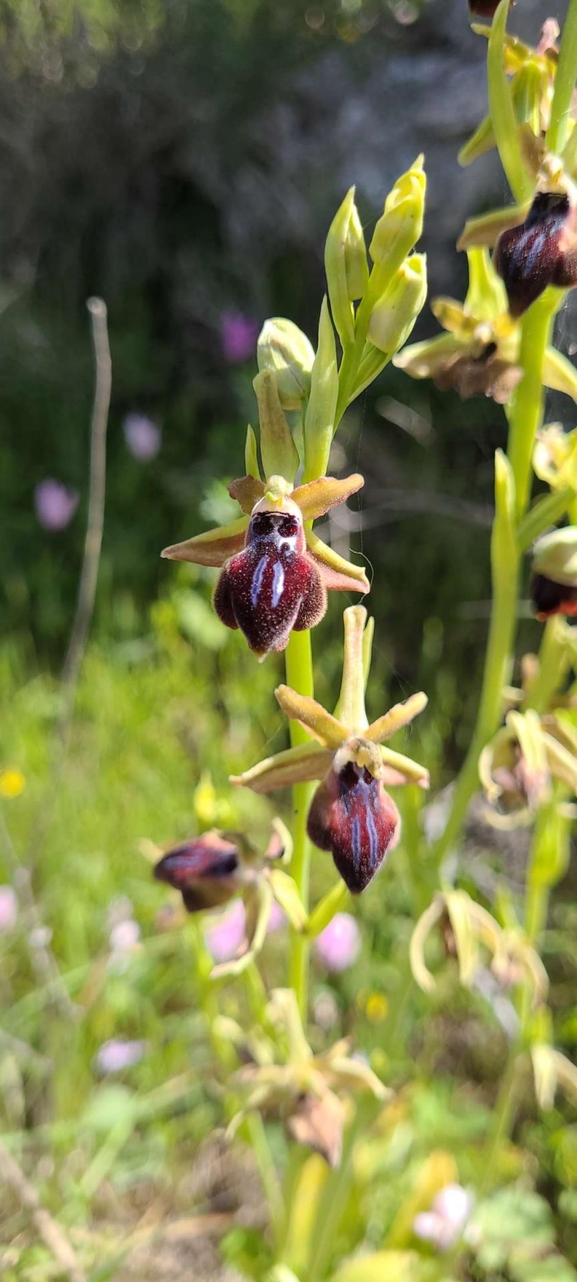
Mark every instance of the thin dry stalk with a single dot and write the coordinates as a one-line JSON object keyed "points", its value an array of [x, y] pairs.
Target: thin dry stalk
{"points": [[46, 1226]]}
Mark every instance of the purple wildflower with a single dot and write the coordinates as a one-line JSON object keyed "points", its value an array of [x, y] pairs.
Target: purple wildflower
{"points": [[54, 504], [226, 936], [117, 1054], [444, 1224], [238, 335], [8, 908], [277, 918], [143, 437], [124, 936], [339, 944]]}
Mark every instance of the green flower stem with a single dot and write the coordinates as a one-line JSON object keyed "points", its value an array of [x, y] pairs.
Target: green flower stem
{"points": [[257, 1134], [299, 674], [334, 1196], [554, 664], [564, 83], [503, 1117], [525, 418], [553, 658], [331, 904], [526, 415], [352, 355]]}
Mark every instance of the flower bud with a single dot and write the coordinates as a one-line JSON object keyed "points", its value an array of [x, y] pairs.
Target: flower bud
{"points": [[401, 224], [394, 315], [541, 251], [346, 265], [272, 586], [208, 871], [352, 816], [554, 580], [285, 350]]}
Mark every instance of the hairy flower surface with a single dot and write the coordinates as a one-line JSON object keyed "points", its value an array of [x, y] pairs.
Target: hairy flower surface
{"points": [[215, 868], [539, 252], [351, 815], [275, 571], [208, 871]]}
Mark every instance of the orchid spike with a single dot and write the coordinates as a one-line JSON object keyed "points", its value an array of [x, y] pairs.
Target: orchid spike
{"points": [[351, 815]]}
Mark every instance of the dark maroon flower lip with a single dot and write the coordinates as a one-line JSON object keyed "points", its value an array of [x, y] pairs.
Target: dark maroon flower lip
{"points": [[550, 598], [353, 817], [272, 586], [483, 8], [541, 251], [207, 871]]}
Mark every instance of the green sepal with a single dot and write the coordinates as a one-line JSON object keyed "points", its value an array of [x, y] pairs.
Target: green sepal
{"points": [[251, 454], [486, 295], [287, 896], [278, 450], [320, 415], [482, 141], [559, 374]]}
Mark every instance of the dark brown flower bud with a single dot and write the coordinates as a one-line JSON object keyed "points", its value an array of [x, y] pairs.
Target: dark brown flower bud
{"points": [[273, 586], [541, 251], [352, 816], [207, 871]]}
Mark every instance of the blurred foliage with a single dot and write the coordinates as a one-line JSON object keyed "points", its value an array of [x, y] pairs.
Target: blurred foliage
{"points": [[150, 753], [155, 183]]}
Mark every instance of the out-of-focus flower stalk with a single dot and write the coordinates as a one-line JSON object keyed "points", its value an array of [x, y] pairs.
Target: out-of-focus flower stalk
{"points": [[525, 418], [564, 84], [299, 675]]}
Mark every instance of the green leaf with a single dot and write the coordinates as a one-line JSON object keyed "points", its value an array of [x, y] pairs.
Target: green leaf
{"points": [[502, 110], [384, 1266]]}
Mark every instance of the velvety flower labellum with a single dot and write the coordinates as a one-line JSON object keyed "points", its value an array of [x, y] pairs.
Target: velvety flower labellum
{"points": [[541, 251], [352, 816], [272, 586], [550, 598], [206, 871], [483, 8]]}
